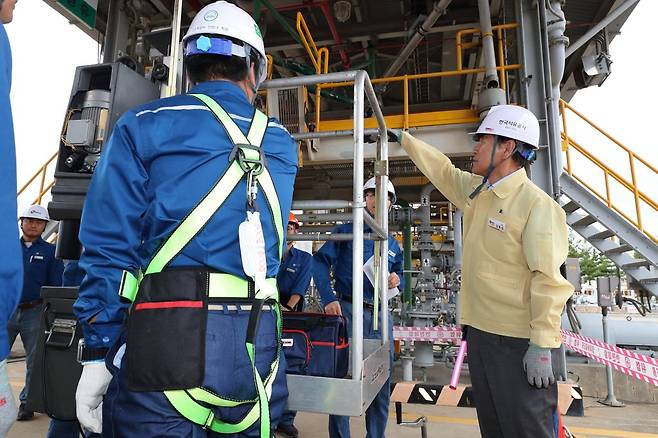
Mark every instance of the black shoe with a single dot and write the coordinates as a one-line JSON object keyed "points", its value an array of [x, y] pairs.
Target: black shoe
{"points": [[24, 414], [287, 430]]}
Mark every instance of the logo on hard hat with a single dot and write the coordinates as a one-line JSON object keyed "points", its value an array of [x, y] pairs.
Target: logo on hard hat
{"points": [[210, 16]]}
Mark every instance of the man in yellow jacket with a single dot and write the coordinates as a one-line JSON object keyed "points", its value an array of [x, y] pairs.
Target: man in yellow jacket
{"points": [[512, 295]]}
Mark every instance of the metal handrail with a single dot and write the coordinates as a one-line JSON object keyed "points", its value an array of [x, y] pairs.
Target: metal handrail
{"points": [[43, 188], [632, 185], [363, 90]]}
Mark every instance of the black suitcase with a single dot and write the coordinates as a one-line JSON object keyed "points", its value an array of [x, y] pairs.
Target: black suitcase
{"points": [[56, 371]]}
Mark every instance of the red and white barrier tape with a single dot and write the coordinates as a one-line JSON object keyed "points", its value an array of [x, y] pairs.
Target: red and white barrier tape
{"points": [[432, 334], [626, 361]]}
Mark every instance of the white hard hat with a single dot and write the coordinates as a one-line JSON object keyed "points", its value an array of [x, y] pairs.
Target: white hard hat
{"points": [[370, 185], [513, 122], [35, 212], [226, 19]]}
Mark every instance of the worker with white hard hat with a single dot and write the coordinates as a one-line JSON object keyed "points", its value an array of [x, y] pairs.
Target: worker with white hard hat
{"points": [[184, 225], [40, 268], [512, 292], [336, 257]]}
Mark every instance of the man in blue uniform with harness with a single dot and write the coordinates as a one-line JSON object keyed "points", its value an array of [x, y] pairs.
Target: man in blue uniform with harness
{"points": [[183, 220], [336, 257]]}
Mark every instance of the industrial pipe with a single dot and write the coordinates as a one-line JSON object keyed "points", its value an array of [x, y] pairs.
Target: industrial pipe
{"points": [[420, 32], [552, 92], [490, 74], [109, 41]]}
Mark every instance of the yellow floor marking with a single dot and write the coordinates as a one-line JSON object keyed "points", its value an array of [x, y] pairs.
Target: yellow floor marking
{"points": [[579, 431]]}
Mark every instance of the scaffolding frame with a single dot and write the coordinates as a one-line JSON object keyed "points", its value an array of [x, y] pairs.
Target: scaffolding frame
{"points": [[369, 358]]}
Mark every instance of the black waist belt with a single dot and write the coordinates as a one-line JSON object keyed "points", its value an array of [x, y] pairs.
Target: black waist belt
{"points": [[219, 287], [366, 305]]}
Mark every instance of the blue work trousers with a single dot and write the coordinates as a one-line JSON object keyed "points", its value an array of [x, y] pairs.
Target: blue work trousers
{"points": [[228, 373], [26, 323], [288, 418], [377, 412], [67, 429]]}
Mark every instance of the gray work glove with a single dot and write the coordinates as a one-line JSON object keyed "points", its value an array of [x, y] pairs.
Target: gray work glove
{"points": [[538, 367]]}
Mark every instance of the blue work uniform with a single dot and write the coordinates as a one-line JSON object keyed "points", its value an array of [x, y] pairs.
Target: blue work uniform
{"points": [[161, 160], [294, 275], [336, 256], [11, 268], [41, 268]]}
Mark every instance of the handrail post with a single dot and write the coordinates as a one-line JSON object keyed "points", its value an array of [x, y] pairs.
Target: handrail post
{"points": [[406, 102], [638, 210], [565, 145], [357, 225]]}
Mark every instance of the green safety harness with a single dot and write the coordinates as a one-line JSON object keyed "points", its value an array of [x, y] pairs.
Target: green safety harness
{"points": [[245, 160]]}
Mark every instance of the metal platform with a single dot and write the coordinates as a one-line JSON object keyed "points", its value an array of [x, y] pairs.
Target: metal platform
{"points": [[347, 396]]}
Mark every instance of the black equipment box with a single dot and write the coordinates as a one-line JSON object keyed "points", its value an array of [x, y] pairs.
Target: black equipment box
{"points": [[56, 371]]}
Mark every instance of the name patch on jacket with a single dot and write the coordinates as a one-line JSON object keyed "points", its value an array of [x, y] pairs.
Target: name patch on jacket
{"points": [[496, 224]]}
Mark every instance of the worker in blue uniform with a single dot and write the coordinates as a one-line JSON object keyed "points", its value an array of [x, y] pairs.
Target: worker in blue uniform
{"points": [[185, 219], [40, 268], [336, 257], [11, 268], [293, 280], [294, 274]]}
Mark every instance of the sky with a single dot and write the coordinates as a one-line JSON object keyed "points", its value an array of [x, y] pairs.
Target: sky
{"points": [[46, 50]]}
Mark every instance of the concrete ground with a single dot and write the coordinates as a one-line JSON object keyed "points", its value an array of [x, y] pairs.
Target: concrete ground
{"points": [[636, 420]]}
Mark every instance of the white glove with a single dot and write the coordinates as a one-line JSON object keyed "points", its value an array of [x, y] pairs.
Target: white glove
{"points": [[92, 386]]}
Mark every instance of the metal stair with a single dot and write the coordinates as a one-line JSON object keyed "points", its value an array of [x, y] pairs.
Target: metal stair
{"points": [[598, 224]]}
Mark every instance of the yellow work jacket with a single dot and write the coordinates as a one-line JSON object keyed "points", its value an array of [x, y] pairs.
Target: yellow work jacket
{"points": [[515, 239]]}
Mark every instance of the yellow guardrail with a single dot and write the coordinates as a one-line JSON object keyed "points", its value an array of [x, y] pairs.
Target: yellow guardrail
{"points": [[500, 33], [43, 187], [319, 58], [407, 119], [631, 185]]}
